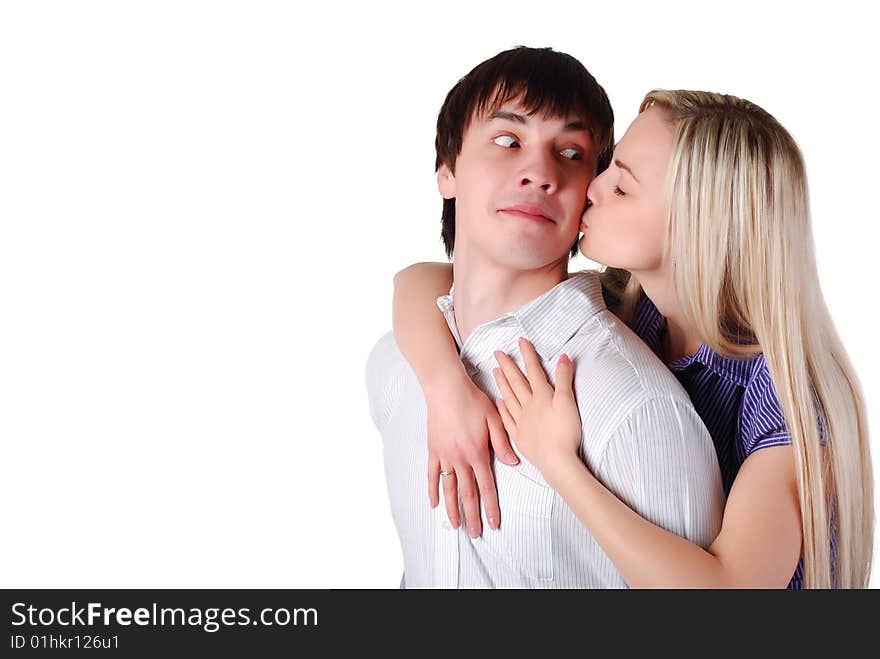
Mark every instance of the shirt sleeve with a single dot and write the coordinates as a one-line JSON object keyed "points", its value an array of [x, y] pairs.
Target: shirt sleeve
{"points": [[661, 462], [383, 379], [762, 421]]}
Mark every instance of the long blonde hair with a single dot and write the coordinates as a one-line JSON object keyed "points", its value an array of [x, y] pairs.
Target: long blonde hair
{"points": [[746, 279]]}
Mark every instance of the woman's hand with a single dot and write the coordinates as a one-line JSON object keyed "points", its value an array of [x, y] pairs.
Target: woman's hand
{"points": [[461, 423], [543, 422]]}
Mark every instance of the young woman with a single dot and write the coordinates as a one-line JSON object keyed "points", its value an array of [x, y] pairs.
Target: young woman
{"points": [[703, 222]]}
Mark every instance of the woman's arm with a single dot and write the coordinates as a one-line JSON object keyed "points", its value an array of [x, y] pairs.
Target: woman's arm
{"points": [[760, 539], [419, 328], [758, 547], [459, 441]]}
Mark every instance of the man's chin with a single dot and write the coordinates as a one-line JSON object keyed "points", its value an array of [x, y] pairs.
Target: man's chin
{"points": [[531, 259]]}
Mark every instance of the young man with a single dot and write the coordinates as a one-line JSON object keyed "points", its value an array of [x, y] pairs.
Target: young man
{"points": [[518, 141]]}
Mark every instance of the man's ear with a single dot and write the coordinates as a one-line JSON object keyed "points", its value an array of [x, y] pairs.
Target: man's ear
{"points": [[446, 182]]}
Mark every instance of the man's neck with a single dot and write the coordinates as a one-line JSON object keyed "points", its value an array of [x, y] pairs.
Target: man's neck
{"points": [[486, 291]]}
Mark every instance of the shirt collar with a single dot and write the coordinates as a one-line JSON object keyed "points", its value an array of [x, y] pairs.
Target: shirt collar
{"points": [[650, 325], [738, 371], [548, 321]]}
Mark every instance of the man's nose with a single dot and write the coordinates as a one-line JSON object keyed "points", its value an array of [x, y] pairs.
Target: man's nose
{"points": [[540, 172]]}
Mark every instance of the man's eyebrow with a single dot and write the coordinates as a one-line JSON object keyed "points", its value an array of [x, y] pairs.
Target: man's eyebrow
{"points": [[623, 166], [579, 125], [520, 119], [508, 116]]}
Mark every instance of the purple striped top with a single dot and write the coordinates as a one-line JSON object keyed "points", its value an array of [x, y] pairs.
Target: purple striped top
{"points": [[735, 398]]}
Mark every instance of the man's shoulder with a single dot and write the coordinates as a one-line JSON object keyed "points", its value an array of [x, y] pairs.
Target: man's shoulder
{"points": [[386, 371], [384, 351], [620, 383], [384, 361], [627, 363], [635, 413]]}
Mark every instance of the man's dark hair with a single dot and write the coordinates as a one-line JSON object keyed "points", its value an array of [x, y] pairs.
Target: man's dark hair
{"points": [[549, 82]]}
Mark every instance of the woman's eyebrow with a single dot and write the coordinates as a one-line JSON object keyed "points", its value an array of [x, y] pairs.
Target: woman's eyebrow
{"points": [[625, 167]]}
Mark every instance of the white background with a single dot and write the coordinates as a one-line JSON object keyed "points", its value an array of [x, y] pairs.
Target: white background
{"points": [[202, 205]]}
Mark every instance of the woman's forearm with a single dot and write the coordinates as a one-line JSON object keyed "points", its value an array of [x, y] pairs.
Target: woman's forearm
{"points": [[419, 328], [646, 555]]}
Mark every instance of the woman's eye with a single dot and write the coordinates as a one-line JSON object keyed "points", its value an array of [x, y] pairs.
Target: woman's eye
{"points": [[506, 141], [572, 154], [618, 191]]}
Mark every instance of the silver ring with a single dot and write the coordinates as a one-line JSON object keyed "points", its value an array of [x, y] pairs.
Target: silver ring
{"points": [[447, 473]]}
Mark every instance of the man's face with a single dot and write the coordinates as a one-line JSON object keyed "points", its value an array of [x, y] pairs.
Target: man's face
{"points": [[520, 187]]}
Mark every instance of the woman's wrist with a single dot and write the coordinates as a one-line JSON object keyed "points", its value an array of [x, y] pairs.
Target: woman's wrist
{"points": [[564, 469], [447, 376]]}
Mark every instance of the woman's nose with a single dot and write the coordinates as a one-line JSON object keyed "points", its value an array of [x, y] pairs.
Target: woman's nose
{"points": [[592, 193], [597, 189]]}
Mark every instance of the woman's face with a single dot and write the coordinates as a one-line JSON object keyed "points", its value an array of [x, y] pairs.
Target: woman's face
{"points": [[625, 225]]}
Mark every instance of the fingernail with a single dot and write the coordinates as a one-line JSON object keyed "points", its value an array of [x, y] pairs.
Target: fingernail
{"points": [[493, 523], [512, 459], [564, 359], [474, 531]]}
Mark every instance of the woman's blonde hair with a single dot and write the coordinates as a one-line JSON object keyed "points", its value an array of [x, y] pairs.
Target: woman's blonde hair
{"points": [[745, 272]]}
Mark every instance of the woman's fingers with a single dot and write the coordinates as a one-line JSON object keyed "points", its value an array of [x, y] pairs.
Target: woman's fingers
{"points": [[465, 473], [509, 423], [515, 378], [564, 378], [470, 500], [500, 441], [450, 495], [433, 480], [537, 378], [488, 494], [510, 398]]}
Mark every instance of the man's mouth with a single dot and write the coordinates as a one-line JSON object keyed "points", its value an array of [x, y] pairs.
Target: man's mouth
{"points": [[529, 212]]}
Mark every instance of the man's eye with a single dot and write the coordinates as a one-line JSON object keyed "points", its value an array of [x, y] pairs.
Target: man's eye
{"points": [[506, 141], [572, 154]]}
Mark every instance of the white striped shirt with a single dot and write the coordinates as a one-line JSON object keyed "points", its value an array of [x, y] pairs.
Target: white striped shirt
{"points": [[641, 437]]}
